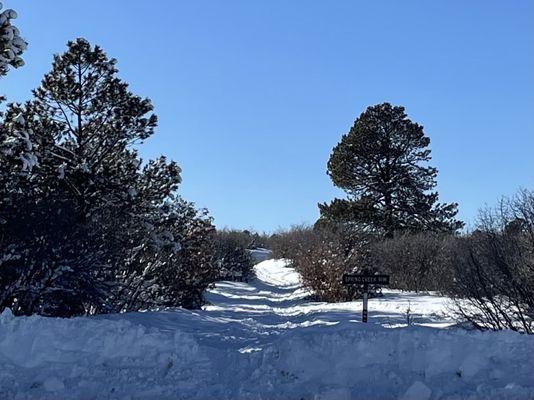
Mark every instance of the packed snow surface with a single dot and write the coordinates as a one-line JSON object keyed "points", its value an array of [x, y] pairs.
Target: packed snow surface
{"points": [[265, 340]]}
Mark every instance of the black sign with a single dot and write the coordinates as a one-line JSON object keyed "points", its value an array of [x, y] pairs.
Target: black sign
{"points": [[354, 279]]}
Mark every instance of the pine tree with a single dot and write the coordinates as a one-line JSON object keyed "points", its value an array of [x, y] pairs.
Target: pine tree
{"points": [[94, 120], [11, 44], [106, 241], [176, 264], [382, 165], [11, 48]]}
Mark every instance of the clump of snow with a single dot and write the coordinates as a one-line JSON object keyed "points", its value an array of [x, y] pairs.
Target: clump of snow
{"points": [[53, 384], [11, 43], [418, 391], [264, 340], [260, 254], [277, 273]]}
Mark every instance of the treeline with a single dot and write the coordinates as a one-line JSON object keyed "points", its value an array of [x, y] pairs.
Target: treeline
{"points": [[489, 272], [391, 222], [233, 249], [87, 226]]}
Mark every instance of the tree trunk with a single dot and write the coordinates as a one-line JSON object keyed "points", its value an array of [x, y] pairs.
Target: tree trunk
{"points": [[389, 228]]}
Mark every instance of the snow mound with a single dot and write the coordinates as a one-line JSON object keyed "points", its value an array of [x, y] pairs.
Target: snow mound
{"points": [[263, 340], [277, 273]]}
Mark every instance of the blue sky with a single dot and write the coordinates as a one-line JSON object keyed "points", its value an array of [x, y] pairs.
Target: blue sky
{"points": [[252, 95]]}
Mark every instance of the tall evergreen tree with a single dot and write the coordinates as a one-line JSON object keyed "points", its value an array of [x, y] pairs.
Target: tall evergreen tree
{"points": [[382, 165], [93, 119]]}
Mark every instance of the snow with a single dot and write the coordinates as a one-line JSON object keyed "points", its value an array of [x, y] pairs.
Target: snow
{"points": [[418, 391], [53, 384], [260, 254], [276, 274], [265, 340], [11, 42]]}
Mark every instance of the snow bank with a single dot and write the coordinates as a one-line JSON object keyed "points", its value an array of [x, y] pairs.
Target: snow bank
{"points": [[87, 357], [410, 363], [277, 273], [261, 340]]}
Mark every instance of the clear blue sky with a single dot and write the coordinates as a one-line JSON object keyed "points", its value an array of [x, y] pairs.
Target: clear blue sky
{"points": [[252, 95]]}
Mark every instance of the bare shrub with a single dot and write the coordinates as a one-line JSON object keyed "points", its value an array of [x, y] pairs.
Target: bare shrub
{"points": [[494, 267], [289, 243], [245, 238], [322, 257], [323, 266], [415, 262]]}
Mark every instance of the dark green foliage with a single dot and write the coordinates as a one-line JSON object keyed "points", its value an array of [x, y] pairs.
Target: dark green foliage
{"points": [[49, 261], [173, 265], [85, 226], [382, 165], [11, 44], [245, 238], [89, 120], [233, 259]]}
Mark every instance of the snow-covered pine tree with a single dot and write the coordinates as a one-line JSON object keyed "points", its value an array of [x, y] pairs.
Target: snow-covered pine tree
{"points": [[108, 241], [11, 43], [11, 48], [175, 264]]}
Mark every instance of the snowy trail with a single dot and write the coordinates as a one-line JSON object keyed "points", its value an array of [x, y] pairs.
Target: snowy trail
{"points": [[252, 313], [265, 340]]}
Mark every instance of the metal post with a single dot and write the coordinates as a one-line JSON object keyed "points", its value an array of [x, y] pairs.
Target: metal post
{"points": [[365, 297]]}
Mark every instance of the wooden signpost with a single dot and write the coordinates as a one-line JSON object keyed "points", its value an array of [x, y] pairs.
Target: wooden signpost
{"points": [[365, 280]]}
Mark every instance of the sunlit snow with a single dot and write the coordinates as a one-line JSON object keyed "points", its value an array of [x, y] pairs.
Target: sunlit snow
{"points": [[265, 340]]}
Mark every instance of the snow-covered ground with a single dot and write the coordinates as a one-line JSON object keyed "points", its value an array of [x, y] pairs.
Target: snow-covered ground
{"points": [[265, 340]]}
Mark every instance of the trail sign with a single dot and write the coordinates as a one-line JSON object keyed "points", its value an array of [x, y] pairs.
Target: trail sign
{"points": [[365, 280], [349, 279]]}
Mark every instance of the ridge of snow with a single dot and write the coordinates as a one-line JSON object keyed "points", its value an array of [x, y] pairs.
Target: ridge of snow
{"points": [[264, 340]]}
